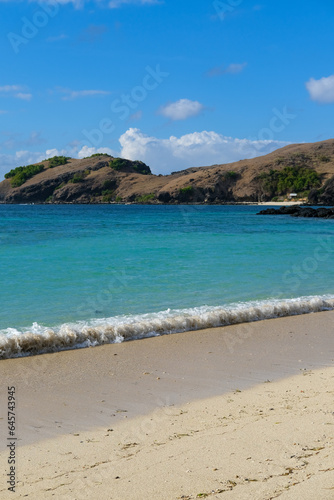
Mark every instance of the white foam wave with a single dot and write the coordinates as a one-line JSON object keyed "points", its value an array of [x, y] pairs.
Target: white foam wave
{"points": [[40, 339]]}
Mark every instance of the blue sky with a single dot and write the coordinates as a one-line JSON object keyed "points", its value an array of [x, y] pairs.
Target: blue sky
{"points": [[175, 84]]}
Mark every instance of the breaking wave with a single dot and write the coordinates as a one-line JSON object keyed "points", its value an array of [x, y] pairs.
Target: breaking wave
{"points": [[40, 339]]}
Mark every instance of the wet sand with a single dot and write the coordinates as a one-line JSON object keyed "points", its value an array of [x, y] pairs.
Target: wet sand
{"points": [[174, 405]]}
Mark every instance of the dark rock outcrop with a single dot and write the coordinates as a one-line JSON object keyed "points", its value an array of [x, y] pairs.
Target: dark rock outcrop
{"points": [[298, 211]]}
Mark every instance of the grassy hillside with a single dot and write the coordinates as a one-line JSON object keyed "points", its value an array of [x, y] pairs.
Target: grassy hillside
{"points": [[305, 169]]}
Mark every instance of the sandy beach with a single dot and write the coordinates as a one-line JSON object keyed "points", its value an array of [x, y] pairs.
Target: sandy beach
{"points": [[281, 203], [242, 412]]}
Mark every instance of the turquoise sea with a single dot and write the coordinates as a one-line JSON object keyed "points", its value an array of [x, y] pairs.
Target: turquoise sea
{"points": [[79, 275]]}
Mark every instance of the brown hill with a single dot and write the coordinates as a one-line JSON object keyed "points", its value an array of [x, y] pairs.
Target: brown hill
{"points": [[104, 179]]}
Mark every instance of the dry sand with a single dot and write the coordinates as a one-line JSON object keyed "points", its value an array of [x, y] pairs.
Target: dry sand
{"points": [[241, 412]]}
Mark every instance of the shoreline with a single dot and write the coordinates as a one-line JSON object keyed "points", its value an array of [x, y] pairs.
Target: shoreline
{"points": [[72, 336], [79, 412], [170, 369]]}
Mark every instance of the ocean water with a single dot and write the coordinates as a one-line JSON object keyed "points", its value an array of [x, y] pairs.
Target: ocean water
{"points": [[80, 275]]}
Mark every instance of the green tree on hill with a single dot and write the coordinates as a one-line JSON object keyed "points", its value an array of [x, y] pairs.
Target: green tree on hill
{"points": [[291, 178], [20, 175], [56, 161]]}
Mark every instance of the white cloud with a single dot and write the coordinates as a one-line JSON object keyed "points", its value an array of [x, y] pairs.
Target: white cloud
{"points": [[232, 69], [114, 4], [23, 96], [136, 116], [93, 32], [49, 153], [87, 151], [24, 157], [14, 140], [162, 155], [52, 39], [322, 90], [235, 68], [74, 94], [191, 150], [77, 3], [11, 88], [7, 162], [181, 109], [17, 91]]}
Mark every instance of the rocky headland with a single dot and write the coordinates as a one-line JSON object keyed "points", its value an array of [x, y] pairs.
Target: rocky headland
{"points": [[307, 170]]}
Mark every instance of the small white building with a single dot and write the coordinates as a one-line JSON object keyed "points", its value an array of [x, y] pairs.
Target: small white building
{"points": [[292, 195]]}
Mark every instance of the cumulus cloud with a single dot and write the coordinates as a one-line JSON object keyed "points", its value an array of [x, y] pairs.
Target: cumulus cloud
{"points": [[181, 109], [162, 155], [89, 151], [191, 150], [7, 161], [322, 90], [49, 153], [26, 157]]}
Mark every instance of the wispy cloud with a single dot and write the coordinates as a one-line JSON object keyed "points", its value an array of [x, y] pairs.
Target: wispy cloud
{"points": [[69, 95], [232, 69], [321, 91], [181, 109], [58, 38], [11, 88], [16, 141], [17, 91], [24, 96], [112, 4], [115, 4], [136, 116], [93, 32]]}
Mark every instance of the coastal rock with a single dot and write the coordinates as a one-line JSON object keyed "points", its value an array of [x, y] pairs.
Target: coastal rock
{"points": [[297, 211]]}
